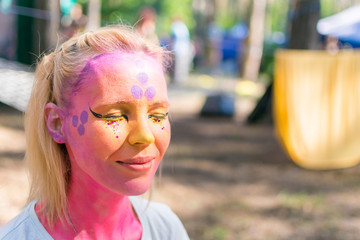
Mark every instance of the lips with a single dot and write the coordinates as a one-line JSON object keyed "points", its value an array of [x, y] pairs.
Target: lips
{"points": [[137, 164]]}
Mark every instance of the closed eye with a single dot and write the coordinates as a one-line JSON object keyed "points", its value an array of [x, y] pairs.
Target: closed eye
{"points": [[158, 117], [109, 117], [115, 117]]}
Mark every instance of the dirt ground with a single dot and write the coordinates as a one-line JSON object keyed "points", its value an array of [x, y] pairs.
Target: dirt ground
{"points": [[225, 180]]}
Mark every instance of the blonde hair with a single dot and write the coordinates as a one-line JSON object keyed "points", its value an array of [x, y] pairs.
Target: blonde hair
{"points": [[57, 74]]}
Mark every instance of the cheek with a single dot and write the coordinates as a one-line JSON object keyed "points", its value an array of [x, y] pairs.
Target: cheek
{"points": [[107, 136], [94, 139], [116, 128], [163, 135]]}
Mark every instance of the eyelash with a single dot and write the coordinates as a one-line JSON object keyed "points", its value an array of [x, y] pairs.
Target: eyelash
{"points": [[115, 118], [158, 118], [155, 117]]}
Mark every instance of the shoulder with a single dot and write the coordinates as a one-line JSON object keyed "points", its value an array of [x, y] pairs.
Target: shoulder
{"points": [[23, 226], [158, 220]]}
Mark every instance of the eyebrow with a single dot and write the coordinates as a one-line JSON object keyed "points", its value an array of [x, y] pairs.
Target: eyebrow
{"points": [[165, 104]]}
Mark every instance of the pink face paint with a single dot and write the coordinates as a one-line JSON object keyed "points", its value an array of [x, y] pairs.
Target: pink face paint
{"points": [[111, 80], [136, 91], [101, 176], [150, 93]]}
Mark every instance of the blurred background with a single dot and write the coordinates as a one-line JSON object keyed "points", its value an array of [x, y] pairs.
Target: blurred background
{"points": [[232, 170]]}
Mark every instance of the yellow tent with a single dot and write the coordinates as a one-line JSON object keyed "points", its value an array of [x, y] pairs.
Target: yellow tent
{"points": [[317, 107]]}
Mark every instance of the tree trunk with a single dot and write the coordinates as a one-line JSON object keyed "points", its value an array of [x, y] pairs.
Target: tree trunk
{"points": [[255, 40], [54, 24], [303, 17], [94, 14]]}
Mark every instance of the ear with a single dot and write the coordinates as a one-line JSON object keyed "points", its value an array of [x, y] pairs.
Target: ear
{"points": [[54, 118]]}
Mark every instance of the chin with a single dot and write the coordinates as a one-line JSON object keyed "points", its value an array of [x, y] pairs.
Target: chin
{"points": [[134, 187]]}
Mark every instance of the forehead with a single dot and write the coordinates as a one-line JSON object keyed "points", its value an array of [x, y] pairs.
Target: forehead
{"points": [[112, 75], [120, 61]]}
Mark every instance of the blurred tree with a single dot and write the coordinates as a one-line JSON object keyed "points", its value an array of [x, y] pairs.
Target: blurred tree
{"points": [[127, 11], [303, 17], [54, 24], [25, 34], [276, 16], [94, 15], [37, 28], [204, 14], [255, 40], [331, 7]]}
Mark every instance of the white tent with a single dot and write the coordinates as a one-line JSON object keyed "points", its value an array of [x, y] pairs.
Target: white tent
{"points": [[344, 26]]}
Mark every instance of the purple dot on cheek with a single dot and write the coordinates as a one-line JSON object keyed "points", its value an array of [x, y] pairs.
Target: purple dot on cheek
{"points": [[136, 91], [84, 117], [81, 129], [75, 120], [142, 78], [150, 93]]}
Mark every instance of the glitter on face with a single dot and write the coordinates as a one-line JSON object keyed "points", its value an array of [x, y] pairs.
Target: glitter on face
{"points": [[114, 126], [159, 122], [136, 91], [150, 93]]}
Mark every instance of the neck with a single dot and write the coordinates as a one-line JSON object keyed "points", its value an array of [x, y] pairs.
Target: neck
{"points": [[97, 212]]}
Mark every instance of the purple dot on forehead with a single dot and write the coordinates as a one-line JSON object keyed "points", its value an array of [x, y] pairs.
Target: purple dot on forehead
{"points": [[142, 78], [139, 63], [75, 120], [150, 93], [84, 117], [136, 91], [81, 129]]}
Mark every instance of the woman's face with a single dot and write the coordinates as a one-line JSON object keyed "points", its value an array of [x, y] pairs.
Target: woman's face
{"points": [[116, 128]]}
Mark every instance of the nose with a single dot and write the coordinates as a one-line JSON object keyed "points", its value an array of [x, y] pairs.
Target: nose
{"points": [[141, 133]]}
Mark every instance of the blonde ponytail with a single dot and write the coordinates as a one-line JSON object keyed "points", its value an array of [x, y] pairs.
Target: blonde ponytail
{"points": [[45, 157]]}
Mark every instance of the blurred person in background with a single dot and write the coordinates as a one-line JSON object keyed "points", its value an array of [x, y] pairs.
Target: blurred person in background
{"points": [[182, 49], [146, 24], [97, 129], [74, 22]]}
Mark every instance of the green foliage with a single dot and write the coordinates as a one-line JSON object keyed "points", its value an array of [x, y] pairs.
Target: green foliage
{"points": [[127, 11], [300, 200], [216, 233], [227, 15], [171, 9], [226, 20], [329, 8], [277, 14]]}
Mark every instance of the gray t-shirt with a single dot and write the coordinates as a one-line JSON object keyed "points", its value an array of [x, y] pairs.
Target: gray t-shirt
{"points": [[157, 220]]}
